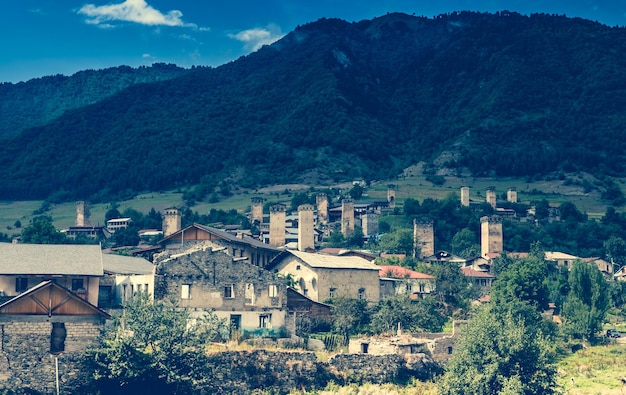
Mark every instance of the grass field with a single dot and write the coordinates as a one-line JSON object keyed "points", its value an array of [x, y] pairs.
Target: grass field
{"points": [[594, 371], [411, 185]]}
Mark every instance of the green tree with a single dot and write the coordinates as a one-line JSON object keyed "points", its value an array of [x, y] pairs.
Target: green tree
{"points": [[399, 241], [523, 280], [454, 289], [586, 304], [349, 316], [502, 352], [615, 250], [42, 231], [465, 244], [413, 315], [154, 346]]}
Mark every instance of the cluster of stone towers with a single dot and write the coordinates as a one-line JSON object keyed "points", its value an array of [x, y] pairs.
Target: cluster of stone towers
{"points": [[490, 196]]}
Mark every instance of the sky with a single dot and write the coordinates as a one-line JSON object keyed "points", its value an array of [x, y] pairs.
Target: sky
{"points": [[48, 37]]}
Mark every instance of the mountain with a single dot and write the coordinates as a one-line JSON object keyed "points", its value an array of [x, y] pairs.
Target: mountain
{"points": [[498, 94], [40, 100]]}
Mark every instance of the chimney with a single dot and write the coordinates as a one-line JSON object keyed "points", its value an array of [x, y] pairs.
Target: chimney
{"points": [[172, 221], [306, 239], [347, 217], [277, 225]]}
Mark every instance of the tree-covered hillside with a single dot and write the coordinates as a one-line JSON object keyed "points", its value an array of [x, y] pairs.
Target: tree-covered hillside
{"points": [[501, 94], [38, 101]]}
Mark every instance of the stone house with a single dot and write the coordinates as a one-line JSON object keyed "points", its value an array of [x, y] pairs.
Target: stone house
{"points": [[397, 280], [482, 280], [238, 245], [44, 332], [252, 299], [75, 267], [124, 276], [321, 277], [560, 258]]}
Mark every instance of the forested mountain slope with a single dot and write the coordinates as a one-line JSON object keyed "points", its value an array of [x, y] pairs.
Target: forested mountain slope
{"points": [[503, 94]]}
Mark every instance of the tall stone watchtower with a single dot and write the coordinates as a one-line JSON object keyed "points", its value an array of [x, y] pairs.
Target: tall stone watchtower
{"points": [[321, 201], [172, 221], [347, 217], [277, 225], [491, 240], [83, 214], [306, 237], [465, 196], [391, 196], [511, 195], [256, 210], [491, 197], [423, 237]]}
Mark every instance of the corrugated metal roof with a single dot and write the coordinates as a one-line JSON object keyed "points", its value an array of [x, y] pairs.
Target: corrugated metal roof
{"points": [[121, 264], [51, 259], [334, 262]]}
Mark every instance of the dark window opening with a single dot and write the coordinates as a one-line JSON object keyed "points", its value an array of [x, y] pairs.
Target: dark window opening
{"points": [[57, 338], [21, 284], [77, 283]]}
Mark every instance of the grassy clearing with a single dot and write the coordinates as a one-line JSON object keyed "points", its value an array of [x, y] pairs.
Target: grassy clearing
{"points": [[594, 370]]}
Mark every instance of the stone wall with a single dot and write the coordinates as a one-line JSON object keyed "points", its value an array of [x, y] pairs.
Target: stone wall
{"points": [[26, 364]]}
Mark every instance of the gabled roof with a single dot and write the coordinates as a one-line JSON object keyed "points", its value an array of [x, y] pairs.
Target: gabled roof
{"points": [[333, 262], [121, 264], [469, 272], [221, 234], [50, 259], [393, 271], [50, 299], [555, 256]]}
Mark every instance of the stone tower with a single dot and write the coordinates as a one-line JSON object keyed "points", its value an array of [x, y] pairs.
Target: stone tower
{"points": [[369, 224], [347, 217], [277, 225], [391, 195], [82, 214], [321, 201], [490, 234], [491, 197], [465, 200], [306, 237], [423, 237], [256, 210], [511, 195], [172, 221]]}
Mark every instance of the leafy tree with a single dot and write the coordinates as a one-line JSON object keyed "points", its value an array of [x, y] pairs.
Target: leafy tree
{"points": [[615, 250], [523, 280], [17, 224], [349, 316], [454, 289], [356, 192], [356, 238], [399, 241], [154, 347], [465, 244], [586, 304], [501, 352], [42, 231], [412, 315]]}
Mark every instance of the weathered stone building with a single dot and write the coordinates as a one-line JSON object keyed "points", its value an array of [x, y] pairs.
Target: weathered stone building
{"points": [[252, 299], [397, 280]]}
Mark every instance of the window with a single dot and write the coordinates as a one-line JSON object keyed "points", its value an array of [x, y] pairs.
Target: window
{"points": [[265, 321], [185, 291], [249, 293], [361, 293], [21, 284], [57, 338], [145, 288], [331, 292], [409, 287], [298, 267], [422, 288], [77, 283], [229, 291], [273, 291], [139, 288]]}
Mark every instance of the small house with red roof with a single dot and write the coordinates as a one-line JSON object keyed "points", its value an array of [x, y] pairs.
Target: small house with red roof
{"points": [[480, 279], [398, 280]]}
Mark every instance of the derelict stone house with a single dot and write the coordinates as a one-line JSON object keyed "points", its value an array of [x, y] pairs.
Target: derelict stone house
{"points": [[321, 276], [46, 330], [238, 245], [252, 299], [397, 280]]}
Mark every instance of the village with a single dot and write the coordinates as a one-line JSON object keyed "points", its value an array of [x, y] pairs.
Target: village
{"points": [[57, 299]]}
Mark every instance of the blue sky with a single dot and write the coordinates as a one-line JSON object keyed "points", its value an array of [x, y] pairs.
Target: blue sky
{"points": [[45, 37]]}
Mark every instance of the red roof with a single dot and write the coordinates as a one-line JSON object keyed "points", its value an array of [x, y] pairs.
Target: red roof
{"points": [[469, 272], [389, 271]]}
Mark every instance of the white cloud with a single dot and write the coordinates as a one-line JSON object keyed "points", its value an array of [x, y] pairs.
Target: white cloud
{"points": [[254, 39], [137, 11]]}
